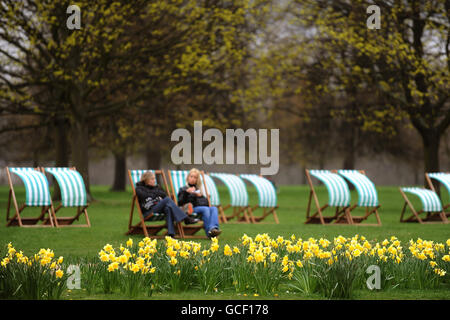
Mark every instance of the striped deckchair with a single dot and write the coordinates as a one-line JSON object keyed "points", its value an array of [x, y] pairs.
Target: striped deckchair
{"points": [[444, 178], [238, 197], [178, 180], [37, 195], [431, 205], [73, 194], [142, 227], [214, 197], [338, 196], [267, 197], [367, 195]]}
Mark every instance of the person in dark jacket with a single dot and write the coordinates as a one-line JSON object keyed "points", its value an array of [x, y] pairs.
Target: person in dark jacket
{"points": [[153, 199], [191, 193]]}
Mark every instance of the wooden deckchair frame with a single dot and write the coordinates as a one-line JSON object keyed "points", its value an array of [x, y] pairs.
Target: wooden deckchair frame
{"points": [[17, 220], [190, 230], [150, 231], [369, 210], [246, 216], [266, 211], [341, 216], [431, 217], [68, 221]]}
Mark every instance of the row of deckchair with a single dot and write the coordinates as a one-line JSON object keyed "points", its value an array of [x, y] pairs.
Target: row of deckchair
{"points": [[239, 200], [73, 194], [339, 198]]}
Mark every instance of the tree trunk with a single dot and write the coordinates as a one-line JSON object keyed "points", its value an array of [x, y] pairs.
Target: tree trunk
{"points": [[349, 150], [120, 167], [431, 141], [349, 153], [80, 145], [62, 152], [153, 152]]}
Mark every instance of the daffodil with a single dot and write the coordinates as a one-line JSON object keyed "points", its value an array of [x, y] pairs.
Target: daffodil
{"points": [[184, 254], [4, 262], [227, 250], [59, 273], [113, 266], [135, 268], [129, 243], [173, 261], [214, 247]]}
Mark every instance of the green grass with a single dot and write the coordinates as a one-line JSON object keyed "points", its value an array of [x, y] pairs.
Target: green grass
{"points": [[109, 215]]}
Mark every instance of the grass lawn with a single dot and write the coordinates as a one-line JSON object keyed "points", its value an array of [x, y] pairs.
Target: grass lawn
{"points": [[109, 215]]}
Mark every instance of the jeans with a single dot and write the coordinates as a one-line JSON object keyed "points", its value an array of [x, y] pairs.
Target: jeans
{"points": [[172, 211], [210, 217]]}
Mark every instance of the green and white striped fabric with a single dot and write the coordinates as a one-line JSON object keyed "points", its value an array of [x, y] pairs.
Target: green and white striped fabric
{"points": [[443, 178], [73, 190], [236, 187], [338, 191], [212, 190], [266, 192], [179, 181], [368, 196], [36, 186], [137, 174], [430, 200], [136, 177]]}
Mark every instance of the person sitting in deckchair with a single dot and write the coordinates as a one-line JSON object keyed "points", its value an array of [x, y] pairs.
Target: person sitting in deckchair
{"points": [[191, 193], [154, 199]]}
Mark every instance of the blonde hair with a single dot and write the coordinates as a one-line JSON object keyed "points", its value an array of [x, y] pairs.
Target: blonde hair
{"points": [[199, 180], [147, 175]]}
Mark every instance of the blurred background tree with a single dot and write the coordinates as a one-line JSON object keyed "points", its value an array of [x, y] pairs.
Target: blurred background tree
{"points": [[171, 60], [136, 70]]}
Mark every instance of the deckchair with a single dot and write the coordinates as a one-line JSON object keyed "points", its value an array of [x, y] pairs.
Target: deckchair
{"points": [[142, 227], [238, 197], [431, 205], [214, 197], [367, 195], [37, 195], [267, 197], [444, 178], [73, 194], [338, 197], [177, 180]]}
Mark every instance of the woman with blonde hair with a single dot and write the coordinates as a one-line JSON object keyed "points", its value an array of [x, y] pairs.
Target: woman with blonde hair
{"points": [[153, 199], [191, 193]]}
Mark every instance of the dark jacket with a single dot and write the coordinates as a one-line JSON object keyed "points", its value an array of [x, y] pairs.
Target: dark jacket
{"points": [[186, 197], [148, 196]]}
